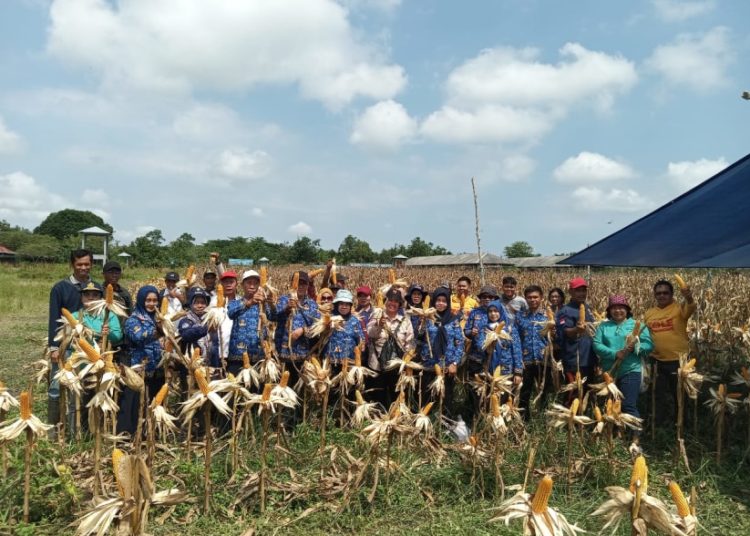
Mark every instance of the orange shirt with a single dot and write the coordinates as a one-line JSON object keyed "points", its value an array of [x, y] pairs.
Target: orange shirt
{"points": [[668, 327]]}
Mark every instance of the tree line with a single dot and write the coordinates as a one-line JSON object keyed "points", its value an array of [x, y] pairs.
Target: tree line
{"points": [[53, 239]]}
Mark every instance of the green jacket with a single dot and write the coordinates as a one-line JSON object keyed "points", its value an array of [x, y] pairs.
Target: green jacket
{"points": [[95, 323], [610, 339]]}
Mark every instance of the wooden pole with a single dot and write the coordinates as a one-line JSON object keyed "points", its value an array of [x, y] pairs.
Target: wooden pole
{"points": [[476, 228]]}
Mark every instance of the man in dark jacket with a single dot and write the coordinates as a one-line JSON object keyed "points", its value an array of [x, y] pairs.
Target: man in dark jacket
{"points": [[577, 350], [64, 294]]}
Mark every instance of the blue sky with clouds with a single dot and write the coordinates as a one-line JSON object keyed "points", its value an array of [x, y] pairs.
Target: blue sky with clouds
{"points": [[368, 117]]}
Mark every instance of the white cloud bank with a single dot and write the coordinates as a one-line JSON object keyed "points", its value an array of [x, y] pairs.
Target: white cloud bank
{"points": [[300, 229], [10, 142], [614, 200], [681, 10], [589, 167], [182, 45], [23, 200], [687, 174], [385, 125]]}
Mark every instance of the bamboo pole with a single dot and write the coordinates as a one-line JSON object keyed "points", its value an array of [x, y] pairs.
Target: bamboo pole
{"points": [[476, 223]]}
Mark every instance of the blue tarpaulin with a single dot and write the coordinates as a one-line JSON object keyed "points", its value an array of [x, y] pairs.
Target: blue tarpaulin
{"points": [[706, 227]]}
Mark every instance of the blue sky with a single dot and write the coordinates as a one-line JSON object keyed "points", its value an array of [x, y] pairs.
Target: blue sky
{"points": [[368, 117]]}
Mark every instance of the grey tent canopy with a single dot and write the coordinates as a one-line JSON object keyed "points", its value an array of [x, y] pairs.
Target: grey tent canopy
{"points": [[706, 227]]}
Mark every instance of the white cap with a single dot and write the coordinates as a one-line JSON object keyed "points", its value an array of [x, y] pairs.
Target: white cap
{"points": [[250, 273]]}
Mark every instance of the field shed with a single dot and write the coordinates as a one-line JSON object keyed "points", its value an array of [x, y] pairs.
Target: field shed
{"points": [[548, 261], [7, 255], [463, 259]]}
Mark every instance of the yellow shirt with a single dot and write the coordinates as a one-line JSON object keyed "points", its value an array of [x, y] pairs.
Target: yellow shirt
{"points": [[469, 305], [668, 327]]}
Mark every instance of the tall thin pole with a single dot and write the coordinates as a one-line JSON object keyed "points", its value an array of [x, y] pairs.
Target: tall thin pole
{"points": [[476, 222]]}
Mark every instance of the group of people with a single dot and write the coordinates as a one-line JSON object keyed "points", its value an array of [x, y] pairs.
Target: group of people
{"points": [[446, 330]]}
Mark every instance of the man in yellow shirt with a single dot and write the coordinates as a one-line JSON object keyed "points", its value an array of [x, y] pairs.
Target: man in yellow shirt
{"points": [[667, 323], [461, 300]]}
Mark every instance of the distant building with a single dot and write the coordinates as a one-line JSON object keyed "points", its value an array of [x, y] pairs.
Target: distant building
{"points": [[399, 261], [549, 261], [6, 255], [463, 259]]}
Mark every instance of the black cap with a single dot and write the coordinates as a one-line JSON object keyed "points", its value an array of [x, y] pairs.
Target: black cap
{"points": [[489, 290], [303, 277], [172, 276], [210, 270], [198, 292], [92, 287], [111, 265], [341, 277]]}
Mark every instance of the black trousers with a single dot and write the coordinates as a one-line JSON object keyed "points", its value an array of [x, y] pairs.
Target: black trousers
{"points": [[532, 374], [666, 391], [428, 376]]}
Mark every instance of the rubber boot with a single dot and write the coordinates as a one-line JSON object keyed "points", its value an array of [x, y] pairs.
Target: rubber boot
{"points": [[53, 417]]}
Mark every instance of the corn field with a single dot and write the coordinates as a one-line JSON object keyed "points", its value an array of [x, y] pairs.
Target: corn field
{"points": [[228, 456]]}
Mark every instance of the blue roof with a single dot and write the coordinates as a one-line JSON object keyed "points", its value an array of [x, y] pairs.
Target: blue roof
{"points": [[706, 227]]}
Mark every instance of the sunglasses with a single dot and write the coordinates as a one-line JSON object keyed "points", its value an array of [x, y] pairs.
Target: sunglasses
{"points": [[326, 298], [662, 293]]}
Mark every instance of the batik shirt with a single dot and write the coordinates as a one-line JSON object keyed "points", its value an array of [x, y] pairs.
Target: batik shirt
{"points": [[304, 316], [342, 342], [454, 350], [529, 326], [143, 339], [246, 337]]}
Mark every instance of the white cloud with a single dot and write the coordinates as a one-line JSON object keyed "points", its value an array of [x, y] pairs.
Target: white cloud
{"points": [[128, 235], [23, 200], [516, 76], [589, 167], [508, 95], [300, 229], [258, 212], [512, 168], [686, 174], [487, 124], [680, 10], [10, 142], [387, 6], [243, 164], [206, 122], [182, 45], [385, 125], [695, 61], [95, 197], [616, 199]]}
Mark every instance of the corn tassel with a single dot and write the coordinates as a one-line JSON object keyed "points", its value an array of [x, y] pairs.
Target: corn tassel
{"points": [[89, 350], [25, 403], [683, 509], [161, 395], [109, 297], [200, 379], [680, 281], [541, 497], [69, 317]]}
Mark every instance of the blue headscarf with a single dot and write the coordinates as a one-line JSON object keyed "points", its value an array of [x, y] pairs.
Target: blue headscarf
{"points": [[140, 300], [440, 346]]}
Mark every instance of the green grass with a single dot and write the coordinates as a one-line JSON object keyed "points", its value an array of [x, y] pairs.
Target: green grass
{"points": [[426, 496]]}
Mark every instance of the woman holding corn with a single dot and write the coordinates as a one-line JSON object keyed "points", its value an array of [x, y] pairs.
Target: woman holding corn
{"points": [[621, 342]]}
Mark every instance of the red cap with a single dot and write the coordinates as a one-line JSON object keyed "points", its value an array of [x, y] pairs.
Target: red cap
{"points": [[577, 282], [364, 290], [228, 274]]}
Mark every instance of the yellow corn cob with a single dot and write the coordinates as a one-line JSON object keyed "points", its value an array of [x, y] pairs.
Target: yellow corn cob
{"points": [[680, 281], [189, 273], [574, 407], [245, 360], [200, 379], [196, 354], [473, 441], [617, 407], [25, 405], [550, 314], [161, 395], [608, 408], [267, 392], [379, 300], [295, 281], [315, 362], [438, 370], [69, 317], [640, 472], [408, 357], [679, 499], [500, 327], [597, 414], [359, 398], [581, 314], [168, 346], [231, 377], [220, 296], [109, 296], [722, 390], [117, 456], [391, 276], [2, 385], [89, 350], [690, 364], [427, 408], [357, 356], [541, 497], [315, 273], [109, 365], [426, 302], [607, 378], [164, 306], [284, 379], [396, 407], [495, 405], [263, 276]]}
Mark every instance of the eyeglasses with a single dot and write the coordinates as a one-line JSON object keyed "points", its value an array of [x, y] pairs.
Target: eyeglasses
{"points": [[662, 293]]}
